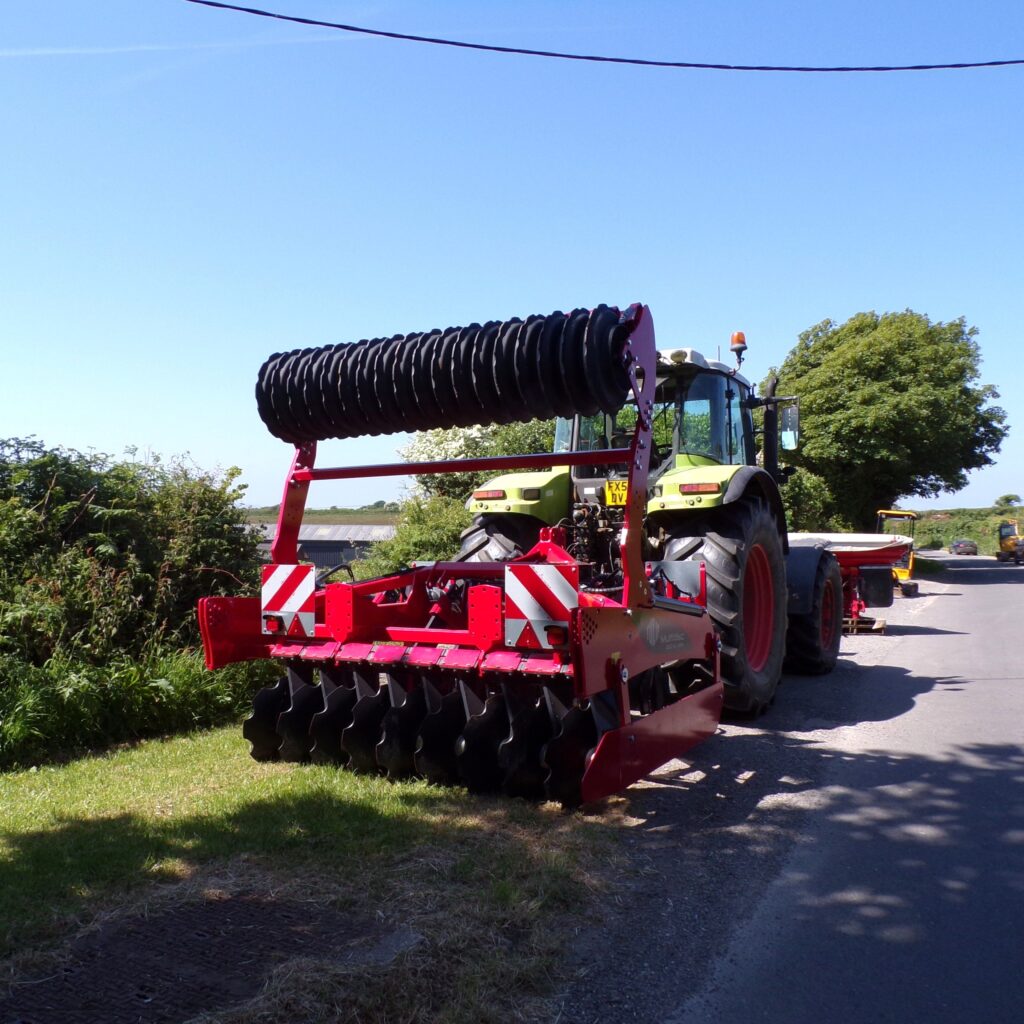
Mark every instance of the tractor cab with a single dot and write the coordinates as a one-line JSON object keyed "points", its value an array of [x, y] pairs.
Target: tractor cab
{"points": [[701, 420]]}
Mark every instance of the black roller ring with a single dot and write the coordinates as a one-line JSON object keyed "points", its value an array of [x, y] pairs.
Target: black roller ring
{"points": [[384, 383], [483, 374], [564, 397], [574, 372], [279, 376], [467, 409], [355, 422], [423, 379], [321, 394], [527, 369], [599, 368], [382, 392], [309, 363], [402, 381], [375, 418], [300, 391], [548, 371], [444, 392], [359, 421], [506, 379], [312, 396], [593, 366], [268, 404], [264, 402], [618, 337], [413, 411], [614, 339], [335, 400]]}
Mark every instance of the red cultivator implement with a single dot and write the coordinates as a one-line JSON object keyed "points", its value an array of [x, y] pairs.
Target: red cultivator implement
{"points": [[553, 674]]}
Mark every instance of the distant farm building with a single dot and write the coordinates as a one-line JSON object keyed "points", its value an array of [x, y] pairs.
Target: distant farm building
{"points": [[327, 546]]}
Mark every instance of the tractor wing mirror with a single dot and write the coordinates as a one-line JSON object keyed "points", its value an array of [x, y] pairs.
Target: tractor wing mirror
{"points": [[789, 427]]}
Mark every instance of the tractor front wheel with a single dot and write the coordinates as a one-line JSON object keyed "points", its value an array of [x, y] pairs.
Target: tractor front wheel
{"points": [[746, 582]]}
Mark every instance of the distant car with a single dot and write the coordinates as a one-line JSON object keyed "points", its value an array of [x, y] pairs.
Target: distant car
{"points": [[963, 547]]}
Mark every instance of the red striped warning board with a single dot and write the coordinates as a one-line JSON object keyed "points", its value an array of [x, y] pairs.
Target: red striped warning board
{"points": [[537, 597], [289, 592]]}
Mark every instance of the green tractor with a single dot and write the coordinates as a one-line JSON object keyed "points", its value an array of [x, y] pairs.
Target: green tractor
{"points": [[712, 498]]}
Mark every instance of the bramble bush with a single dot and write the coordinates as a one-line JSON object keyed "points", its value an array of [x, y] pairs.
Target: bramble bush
{"points": [[101, 565]]}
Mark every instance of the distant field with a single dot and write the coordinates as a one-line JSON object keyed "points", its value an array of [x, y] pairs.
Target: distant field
{"points": [[937, 528], [336, 516]]}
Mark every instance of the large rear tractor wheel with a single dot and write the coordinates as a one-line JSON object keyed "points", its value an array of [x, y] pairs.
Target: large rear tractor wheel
{"points": [[497, 538], [812, 643], [746, 580]]}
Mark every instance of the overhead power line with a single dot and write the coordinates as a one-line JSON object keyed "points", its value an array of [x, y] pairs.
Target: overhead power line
{"points": [[594, 58]]}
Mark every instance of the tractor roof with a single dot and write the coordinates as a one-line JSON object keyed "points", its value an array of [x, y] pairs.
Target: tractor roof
{"points": [[673, 360]]}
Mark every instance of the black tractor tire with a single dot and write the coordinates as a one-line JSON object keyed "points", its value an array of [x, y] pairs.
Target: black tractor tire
{"points": [[812, 643], [746, 583], [497, 538]]}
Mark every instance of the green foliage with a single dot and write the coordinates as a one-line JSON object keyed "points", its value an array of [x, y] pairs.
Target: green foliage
{"points": [[937, 529], [474, 443], [890, 406], [810, 505], [1007, 503], [66, 706], [101, 566], [428, 530]]}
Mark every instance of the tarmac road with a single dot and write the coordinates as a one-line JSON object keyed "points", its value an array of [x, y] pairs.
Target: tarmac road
{"points": [[855, 855]]}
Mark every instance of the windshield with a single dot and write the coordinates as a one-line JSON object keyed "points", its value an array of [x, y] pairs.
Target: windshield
{"points": [[563, 435], [715, 422], [601, 431]]}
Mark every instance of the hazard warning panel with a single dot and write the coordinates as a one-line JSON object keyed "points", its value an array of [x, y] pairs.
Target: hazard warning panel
{"points": [[538, 597], [288, 594]]}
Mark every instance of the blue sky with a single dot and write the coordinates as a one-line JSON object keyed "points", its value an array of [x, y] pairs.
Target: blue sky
{"points": [[184, 191]]}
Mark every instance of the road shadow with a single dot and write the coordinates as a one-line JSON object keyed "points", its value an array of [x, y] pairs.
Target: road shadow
{"points": [[928, 847], [847, 696], [905, 629], [981, 570]]}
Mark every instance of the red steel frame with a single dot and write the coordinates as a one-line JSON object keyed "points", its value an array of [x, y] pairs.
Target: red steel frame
{"points": [[610, 641]]}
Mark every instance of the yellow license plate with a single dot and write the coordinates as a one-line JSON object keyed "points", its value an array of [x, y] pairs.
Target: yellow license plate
{"points": [[615, 492]]}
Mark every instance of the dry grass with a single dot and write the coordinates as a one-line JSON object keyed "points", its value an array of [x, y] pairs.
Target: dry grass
{"points": [[478, 897]]}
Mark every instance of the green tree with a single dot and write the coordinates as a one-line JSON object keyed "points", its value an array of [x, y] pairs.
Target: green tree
{"points": [[474, 443], [890, 406], [810, 504]]}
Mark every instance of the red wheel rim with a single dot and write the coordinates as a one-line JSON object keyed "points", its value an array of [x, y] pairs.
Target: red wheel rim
{"points": [[828, 617], [758, 608]]}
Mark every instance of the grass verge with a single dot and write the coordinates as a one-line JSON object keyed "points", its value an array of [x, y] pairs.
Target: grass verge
{"points": [[490, 888], [66, 706]]}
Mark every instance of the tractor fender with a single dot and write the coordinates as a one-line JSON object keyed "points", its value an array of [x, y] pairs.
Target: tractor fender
{"points": [[802, 562], [758, 482]]}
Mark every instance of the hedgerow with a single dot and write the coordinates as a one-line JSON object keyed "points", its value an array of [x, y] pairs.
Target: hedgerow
{"points": [[101, 565]]}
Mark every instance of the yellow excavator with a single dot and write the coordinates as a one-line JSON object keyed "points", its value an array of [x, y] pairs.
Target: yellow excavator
{"points": [[1011, 543], [894, 520]]}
